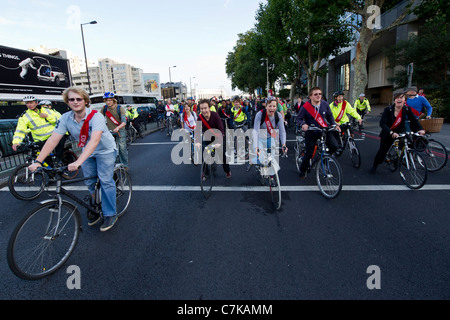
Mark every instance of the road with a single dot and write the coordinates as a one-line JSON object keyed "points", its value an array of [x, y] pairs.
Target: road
{"points": [[173, 244]]}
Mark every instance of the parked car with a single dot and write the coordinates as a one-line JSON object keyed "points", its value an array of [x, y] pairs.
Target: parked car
{"points": [[7, 128], [148, 113], [49, 73]]}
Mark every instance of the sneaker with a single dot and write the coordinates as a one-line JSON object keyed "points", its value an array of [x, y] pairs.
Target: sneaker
{"points": [[302, 175], [229, 175], [108, 223], [93, 218]]}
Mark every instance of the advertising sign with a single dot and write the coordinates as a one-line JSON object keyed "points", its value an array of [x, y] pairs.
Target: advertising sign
{"points": [[152, 85], [25, 72]]}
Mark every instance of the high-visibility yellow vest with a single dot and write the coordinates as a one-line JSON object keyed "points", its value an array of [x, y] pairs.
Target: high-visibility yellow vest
{"points": [[336, 110], [238, 118], [362, 105], [30, 121]]}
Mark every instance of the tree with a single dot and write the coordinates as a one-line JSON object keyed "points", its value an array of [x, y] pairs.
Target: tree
{"points": [[368, 31], [243, 64], [293, 36]]}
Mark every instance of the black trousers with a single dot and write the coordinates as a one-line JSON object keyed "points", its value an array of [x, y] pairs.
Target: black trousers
{"points": [[310, 141], [385, 144]]}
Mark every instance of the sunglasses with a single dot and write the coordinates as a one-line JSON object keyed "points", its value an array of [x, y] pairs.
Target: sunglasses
{"points": [[75, 99], [317, 94]]}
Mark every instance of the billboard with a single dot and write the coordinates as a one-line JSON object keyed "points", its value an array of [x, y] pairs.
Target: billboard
{"points": [[152, 85], [25, 72]]}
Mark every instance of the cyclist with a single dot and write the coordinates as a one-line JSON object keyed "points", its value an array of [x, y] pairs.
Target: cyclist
{"points": [[188, 119], [393, 122], [340, 108], [132, 116], [170, 112], [265, 127], [37, 120], [48, 104], [99, 151], [362, 106], [211, 120], [160, 109], [315, 112], [419, 104], [224, 112], [237, 113], [116, 121]]}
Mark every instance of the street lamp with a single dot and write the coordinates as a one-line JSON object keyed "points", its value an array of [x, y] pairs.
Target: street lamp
{"points": [[85, 57], [170, 76], [267, 64]]}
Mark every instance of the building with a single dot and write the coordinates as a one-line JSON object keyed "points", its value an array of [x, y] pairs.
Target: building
{"points": [[340, 76], [199, 94], [174, 90], [112, 76]]}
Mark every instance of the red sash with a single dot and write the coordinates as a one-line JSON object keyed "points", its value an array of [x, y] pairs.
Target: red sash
{"points": [[416, 112], [308, 107], [207, 125], [269, 126], [398, 120], [237, 115], [187, 122], [84, 133], [111, 117], [341, 114]]}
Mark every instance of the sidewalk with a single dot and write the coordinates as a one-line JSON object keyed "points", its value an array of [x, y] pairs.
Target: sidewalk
{"points": [[371, 125]]}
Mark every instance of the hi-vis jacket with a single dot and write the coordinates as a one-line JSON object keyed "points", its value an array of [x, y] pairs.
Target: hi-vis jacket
{"points": [[41, 128], [132, 114], [362, 105], [238, 114], [336, 110]]}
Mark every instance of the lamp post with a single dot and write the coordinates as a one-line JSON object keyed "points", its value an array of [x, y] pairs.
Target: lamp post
{"points": [[190, 85], [267, 64], [170, 76], [85, 57]]}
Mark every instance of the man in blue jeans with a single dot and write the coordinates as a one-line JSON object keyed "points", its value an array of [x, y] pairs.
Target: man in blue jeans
{"points": [[99, 151]]}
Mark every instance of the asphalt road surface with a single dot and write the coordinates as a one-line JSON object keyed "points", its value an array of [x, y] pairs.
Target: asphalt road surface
{"points": [[376, 240]]}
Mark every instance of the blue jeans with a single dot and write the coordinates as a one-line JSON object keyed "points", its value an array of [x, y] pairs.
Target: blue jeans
{"points": [[102, 166], [123, 151]]}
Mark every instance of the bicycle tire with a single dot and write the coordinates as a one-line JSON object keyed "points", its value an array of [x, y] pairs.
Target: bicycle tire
{"points": [[329, 177], [354, 154], [124, 190], [299, 154], [129, 137], [275, 191], [414, 174], [206, 179], [25, 185], [69, 157], [391, 159], [31, 261], [435, 155]]}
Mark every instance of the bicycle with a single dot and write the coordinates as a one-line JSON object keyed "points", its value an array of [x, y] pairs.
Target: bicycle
{"points": [[207, 171], [268, 174], [160, 122], [328, 170], [44, 240], [170, 124], [432, 151], [132, 133], [347, 142], [240, 153], [26, 185], [410, 164]]}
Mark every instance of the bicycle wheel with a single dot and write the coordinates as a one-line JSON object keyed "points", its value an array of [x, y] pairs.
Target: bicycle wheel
{"points": [[353, 150], [413, 169], [129, 136], [329, 177], [68, 158], [206, 179], [391, 159], [275, 189], [26, 185], [123, 190], [42, 242], [435, 155]]}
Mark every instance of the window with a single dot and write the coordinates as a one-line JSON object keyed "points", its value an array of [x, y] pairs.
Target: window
{"points": [[343, 78]]}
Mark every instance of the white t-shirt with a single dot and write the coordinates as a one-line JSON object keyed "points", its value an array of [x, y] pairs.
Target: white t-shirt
{"points": [[169, 110], [191, 122]]}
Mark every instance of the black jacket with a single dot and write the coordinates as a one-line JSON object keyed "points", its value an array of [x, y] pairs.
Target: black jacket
{"points": [[388, 119]]}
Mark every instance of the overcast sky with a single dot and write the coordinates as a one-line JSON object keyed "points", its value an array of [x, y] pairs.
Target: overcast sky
{"points": [[195, 36]]}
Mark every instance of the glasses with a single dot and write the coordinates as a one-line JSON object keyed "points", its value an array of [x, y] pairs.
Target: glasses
{"points": [[317, 94], [75, 99]]}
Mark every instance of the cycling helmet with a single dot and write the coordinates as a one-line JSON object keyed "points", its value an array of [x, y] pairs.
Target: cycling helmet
{"points": [[338, 93], [109, 95], [29, 98]]}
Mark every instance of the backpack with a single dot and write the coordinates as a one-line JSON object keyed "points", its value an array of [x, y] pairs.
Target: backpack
{"points": [[118, 111], [263, 117]]}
